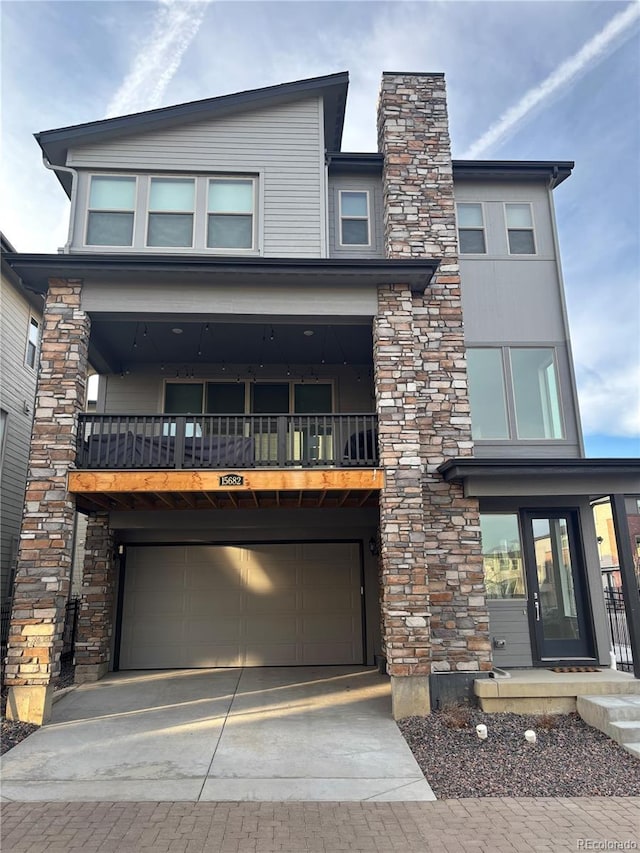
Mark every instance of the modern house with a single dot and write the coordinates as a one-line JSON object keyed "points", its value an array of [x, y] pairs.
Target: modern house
{"points": [[21, 320], [301, 454]]}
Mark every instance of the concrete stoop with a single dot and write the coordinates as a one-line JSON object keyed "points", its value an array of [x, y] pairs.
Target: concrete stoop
{"points": [[617, 716], [541, 691]]}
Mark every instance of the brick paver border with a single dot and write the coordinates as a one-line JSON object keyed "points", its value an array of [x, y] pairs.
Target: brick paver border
{"points": [[445, 826]]}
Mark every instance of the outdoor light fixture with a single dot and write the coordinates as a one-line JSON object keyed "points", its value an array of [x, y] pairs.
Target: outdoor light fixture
{"points": [[309, 333], [530, 736], [374, 546], [177, 330], [481, 731]]}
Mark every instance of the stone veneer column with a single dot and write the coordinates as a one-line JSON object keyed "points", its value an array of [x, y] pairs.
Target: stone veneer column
{"points": [[95, 619], [445, 564], [45, 554]]}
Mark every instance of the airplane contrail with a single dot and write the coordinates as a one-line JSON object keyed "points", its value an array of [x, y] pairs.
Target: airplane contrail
{"points": [[175, 26], [591, 52]]}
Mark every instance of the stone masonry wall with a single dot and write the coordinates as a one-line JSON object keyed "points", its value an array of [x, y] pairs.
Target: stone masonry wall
{"points": [[419, 219], [44, 558], [93, 641]]}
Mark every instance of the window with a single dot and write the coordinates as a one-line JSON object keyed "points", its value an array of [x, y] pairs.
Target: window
{"points": [[266, 398], [111, 207], [33, 338], [471, 229], [530, 409], [183, 398], [354, 218], [520, 229], [171, 202], [535, 391], [486, 394], [230, 214], [502, 555]]}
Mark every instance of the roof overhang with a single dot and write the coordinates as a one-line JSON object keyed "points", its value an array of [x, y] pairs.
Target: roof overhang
{"points": [[36, 270], [553, 172], [332, 88], [523, 477]]}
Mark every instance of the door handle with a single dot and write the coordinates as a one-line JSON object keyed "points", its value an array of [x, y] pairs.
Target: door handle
{"points": [[536, 604]]}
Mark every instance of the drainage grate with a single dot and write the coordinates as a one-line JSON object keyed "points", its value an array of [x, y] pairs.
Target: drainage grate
{"points": [[576, 669]]}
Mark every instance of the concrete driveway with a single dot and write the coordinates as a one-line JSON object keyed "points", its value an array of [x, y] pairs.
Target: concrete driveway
{"points": [[299, 733]]}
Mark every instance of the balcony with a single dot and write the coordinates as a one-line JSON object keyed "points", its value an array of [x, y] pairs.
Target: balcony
{"points": [[226, 442]]}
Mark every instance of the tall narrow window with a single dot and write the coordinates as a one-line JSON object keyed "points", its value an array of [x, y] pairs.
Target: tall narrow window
{"points": [[471, 229], [4, 416], [171, 203], [354, 218], [535, 392], [486, 394], [502, 555], [111, 207], [231, 214], [520, 229], [33, 338]]}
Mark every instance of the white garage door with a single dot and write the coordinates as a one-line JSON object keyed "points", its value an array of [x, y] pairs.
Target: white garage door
{"points": [[251, 605]]}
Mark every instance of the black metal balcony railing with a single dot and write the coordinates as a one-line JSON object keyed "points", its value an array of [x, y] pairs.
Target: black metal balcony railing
{"points": [[226, 441]]}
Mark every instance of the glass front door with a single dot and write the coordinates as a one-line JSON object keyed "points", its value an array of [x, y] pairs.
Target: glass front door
{"points": [[558, 606]]}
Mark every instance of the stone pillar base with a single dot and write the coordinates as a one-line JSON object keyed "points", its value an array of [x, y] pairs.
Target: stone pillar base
{"points": [[30, 703], [410, 696], [88, 672]]}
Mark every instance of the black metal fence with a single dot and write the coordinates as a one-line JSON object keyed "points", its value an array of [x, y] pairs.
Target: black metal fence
{"points": [[619, 629], [226, 441]]}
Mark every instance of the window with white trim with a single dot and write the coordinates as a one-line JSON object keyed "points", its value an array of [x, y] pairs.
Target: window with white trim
{"points": [[171, 212], [112, 202], [520, 234], [471, 228], [354, 218], [231, 213], [514, 393], [33, 341]]}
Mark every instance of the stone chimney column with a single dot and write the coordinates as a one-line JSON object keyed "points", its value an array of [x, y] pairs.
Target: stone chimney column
{"points": [[45, 555], [435, 617]]}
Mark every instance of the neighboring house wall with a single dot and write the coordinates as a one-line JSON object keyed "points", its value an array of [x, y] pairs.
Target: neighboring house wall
{"points": [[17, 392], [282, 145]]}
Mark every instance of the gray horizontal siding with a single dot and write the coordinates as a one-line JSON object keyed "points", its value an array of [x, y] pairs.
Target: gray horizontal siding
{"points": [[250, 300], [282, 144], [508, 621], [359, 183], [17, 388]]}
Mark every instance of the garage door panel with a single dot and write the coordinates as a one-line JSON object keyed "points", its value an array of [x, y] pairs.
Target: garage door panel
{"points": [[219, 604], [283, 601], [246, 605], [213, 631]]}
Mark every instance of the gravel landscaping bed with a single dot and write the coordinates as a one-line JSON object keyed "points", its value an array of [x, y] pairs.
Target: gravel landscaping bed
{"points": [[568, 759], [13, 732]]}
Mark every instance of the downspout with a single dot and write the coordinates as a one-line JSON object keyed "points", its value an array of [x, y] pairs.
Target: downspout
{"points": [[74, 191]]}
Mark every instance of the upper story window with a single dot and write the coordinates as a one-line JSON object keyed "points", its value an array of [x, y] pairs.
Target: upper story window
{"points": [[520, 233], [354, 218], [471, 228], [33, 338], [112, 202], [514, 394], [4, 417], [231, 214], [171, 208]]}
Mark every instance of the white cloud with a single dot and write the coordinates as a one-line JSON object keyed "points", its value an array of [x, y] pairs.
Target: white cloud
{"points": [[175, 25], [593, 51]]}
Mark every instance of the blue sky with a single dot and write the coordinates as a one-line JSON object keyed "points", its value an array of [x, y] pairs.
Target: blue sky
{"points": [[526, 80]]}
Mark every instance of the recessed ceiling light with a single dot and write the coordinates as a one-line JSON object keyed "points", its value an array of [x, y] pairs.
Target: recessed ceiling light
{"points": [[177, 330], [308, 332]]}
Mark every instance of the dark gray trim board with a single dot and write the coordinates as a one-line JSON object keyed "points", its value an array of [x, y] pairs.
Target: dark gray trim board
{"points": [[589, 477], [36, 270]]}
